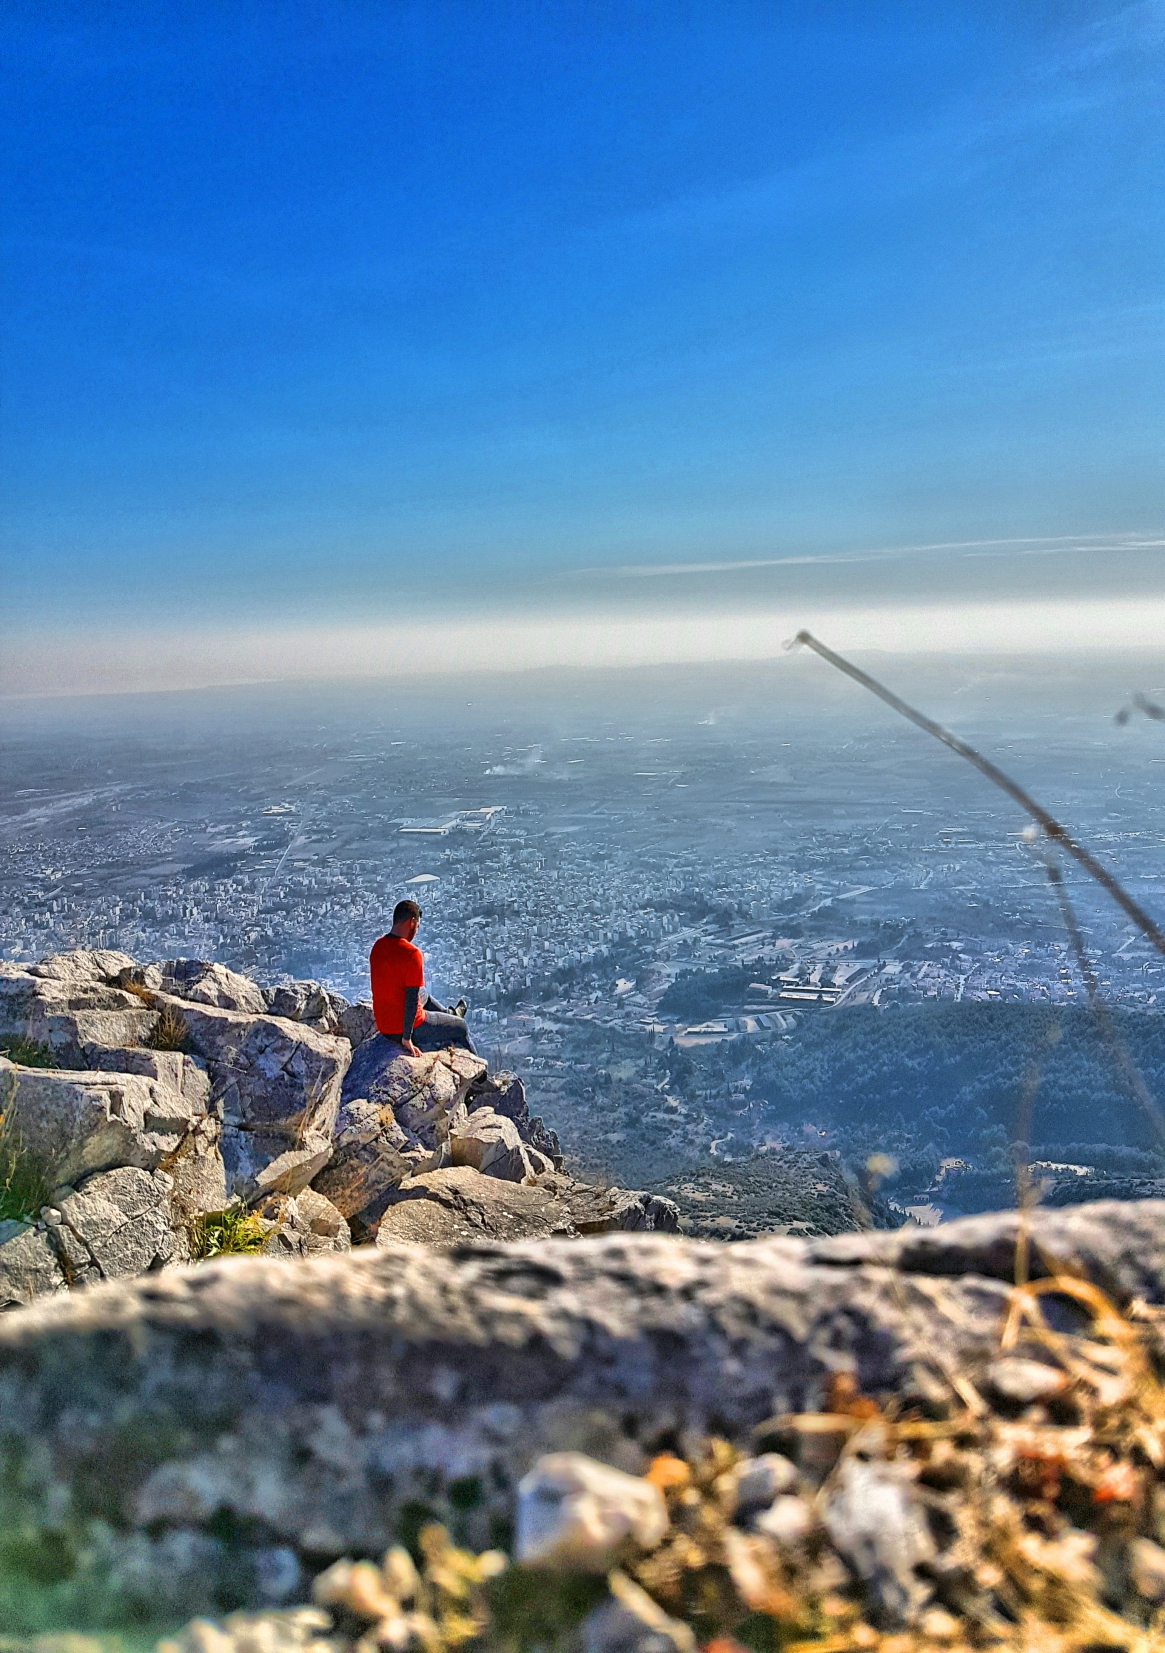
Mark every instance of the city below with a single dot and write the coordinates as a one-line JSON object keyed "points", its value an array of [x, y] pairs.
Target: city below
{"points": [[714, 869]]}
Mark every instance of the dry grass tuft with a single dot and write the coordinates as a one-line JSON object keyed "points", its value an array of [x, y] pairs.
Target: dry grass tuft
{"points": [[169, 1031]]}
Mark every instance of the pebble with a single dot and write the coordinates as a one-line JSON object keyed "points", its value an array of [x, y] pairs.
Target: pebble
{"points": [[1022, 1382], [575, 1512], [875, 1522], [757, 1481], [788, 1520], [1147, 1567]]}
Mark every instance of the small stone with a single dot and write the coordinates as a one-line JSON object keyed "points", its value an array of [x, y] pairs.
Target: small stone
{"points": [[788, 1520], [400, 1575], [876, 1524], [757, 1481], [358, 1587], [1020, 1382], [940, 1626], [577, 1513]]}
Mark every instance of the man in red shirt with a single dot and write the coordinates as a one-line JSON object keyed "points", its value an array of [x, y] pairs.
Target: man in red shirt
{"points": [[402, 1008]]}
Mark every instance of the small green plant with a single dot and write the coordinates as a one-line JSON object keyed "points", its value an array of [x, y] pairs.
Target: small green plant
{"points": [[24, 1185], [169, 1031], [234, 1232], [27, 1053]]}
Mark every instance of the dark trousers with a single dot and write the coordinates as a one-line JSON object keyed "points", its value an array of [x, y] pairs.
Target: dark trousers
{"points": [[441, 1028]]}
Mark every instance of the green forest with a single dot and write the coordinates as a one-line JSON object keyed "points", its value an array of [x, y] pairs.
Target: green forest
{"points": [[932, 1081]]}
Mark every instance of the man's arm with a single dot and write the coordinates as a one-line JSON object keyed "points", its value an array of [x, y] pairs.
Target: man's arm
{"points": [[412, 997]]}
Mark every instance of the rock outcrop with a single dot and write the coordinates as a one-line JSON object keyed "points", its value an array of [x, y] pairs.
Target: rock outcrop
{"points": [[68, 1002], [458, 1205], [167, 1093], [74, 1122], [319, 1411]]}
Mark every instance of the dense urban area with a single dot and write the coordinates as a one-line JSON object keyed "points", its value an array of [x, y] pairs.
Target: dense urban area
{"points": [[691, 908]]}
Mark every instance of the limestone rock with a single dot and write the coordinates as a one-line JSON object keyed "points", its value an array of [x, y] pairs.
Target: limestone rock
{"points": [[81, 966], [370, 1155], [310, 1002], [578, 1514], [505, 1093], [171, 1068], [304, 1225], [295, 1167], [421, 1090], [201, 982], [596, 1210], [321, 1406], [646, 1213], [29, 1266], [118, 1223], [357, 1023], [985, 1245], [490, 1144], [71, 1123], [458, 1204], [276, 1084], [196, 1162], [65, 1003]]}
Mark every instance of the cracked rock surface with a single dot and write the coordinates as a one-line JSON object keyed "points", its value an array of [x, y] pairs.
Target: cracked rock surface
{"points": [[324, 1405]]}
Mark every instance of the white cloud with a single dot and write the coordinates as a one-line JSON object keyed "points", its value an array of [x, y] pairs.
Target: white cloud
{"points": [[100, 660]]}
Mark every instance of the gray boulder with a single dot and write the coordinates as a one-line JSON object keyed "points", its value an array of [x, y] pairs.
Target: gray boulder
{"points": [[323, 1408], [357, 1023], [117, 1224], [71, 1123], [29, 1265], [457, 1204], [505, 1093], [201, 982], [419, 1089], [310, 1002], [276, 1085], [66, 1004], [371, 1154], [394, 1122], [305, 1225], [597, 1210], [490, 1144], [81, 966]]}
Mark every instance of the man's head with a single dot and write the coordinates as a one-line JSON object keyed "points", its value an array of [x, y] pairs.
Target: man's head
{"points": [[406, 915]]}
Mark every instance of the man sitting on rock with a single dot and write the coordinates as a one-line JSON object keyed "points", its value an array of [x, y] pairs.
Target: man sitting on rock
{"points": [[402, 1008]]}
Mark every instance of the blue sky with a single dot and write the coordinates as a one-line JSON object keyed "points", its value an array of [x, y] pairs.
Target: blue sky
{"points": [[322, 315]]}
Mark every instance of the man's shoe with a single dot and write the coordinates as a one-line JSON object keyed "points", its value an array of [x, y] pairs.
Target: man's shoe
{"points": [[460, 1008]]}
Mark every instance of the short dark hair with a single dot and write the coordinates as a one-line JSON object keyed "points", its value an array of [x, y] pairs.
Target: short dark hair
{"points": [[405, 910]]}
